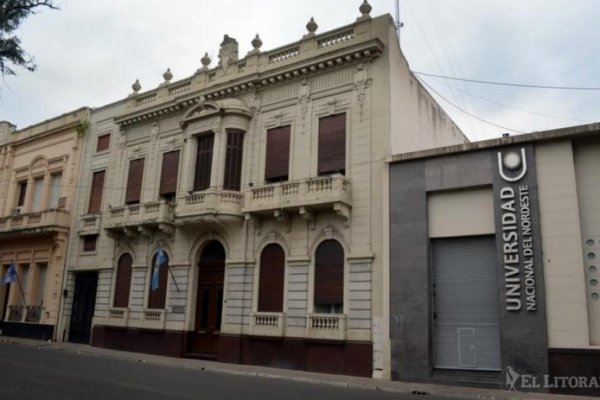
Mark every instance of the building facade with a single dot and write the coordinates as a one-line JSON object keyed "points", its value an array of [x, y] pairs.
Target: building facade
{"points": [[262, 181], [39, 166], [493, 262]]}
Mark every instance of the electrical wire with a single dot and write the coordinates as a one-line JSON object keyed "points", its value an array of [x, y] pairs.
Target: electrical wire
{"points": [[515, 108], [526, 85], [465, 111]]}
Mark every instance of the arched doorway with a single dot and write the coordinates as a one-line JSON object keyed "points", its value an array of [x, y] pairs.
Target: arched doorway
{"points": [[209, 302]]}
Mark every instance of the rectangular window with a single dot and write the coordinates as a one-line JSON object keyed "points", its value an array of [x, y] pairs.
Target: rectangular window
{"points": [[38, 194], [22, 191], [55, 190], [233, 160], [40, 284], [332, 144], [103, 142], [23, 277], [168, 175], [134, 181], [277, 163], [89, 242], [203, 162], [96, 192]]}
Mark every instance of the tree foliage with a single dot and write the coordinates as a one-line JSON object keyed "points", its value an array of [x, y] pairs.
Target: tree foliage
{"points": [[12, 13]]}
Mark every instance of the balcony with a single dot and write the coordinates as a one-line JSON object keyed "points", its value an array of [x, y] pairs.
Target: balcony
{"points": [[267, 324], [90, 224], [117, 317], [153, 319], [38, 222], [208, 205], [140, 218], [326, 326], [304, 196]]}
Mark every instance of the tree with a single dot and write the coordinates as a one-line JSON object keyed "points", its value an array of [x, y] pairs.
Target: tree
{"points": [[12, 13]]}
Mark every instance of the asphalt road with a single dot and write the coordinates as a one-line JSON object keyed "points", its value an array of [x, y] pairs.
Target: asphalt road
{"points": [[38, 373]]}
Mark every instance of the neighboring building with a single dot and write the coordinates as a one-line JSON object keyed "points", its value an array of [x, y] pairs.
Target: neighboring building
{"points": [[493, 253], [39, 166], [262, 179]]}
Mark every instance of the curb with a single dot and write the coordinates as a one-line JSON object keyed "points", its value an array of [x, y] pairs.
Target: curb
{"points": [[458, 392]]}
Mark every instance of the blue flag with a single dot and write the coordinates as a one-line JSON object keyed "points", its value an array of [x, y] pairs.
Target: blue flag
{"points": [[161, 258], [11, 274]]}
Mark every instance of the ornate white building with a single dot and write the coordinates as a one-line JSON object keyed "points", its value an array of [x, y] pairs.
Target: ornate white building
{"points": [[262, 178]]}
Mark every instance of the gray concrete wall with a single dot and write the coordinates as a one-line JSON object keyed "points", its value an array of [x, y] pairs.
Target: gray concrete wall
{"points": [[524, 344]]}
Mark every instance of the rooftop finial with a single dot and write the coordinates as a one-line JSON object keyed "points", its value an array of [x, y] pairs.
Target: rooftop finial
{"points": [[311, 26], [205, 60], [136, 86], [256, 43], [365, 8], [168, 75]]}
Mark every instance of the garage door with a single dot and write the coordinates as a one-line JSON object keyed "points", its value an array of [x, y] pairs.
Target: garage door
{"points": [[466, 305]]}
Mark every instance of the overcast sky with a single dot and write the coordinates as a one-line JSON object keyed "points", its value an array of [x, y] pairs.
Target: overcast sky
{"points": [[90, 52]]}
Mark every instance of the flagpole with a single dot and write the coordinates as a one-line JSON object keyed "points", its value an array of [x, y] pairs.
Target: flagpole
{"points": [[173, 277], [19, 284]]}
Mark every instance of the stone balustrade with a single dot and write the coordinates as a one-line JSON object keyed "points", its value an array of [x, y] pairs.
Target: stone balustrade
{"points": [[150, 214], [49, 219], [326, 326], [208, 204], [267, 324], [313, 193]]}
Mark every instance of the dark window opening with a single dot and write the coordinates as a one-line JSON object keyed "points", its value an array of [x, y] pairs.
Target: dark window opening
{"points": [[203, 162], [277, 163], [332, 145], [329, 278], [89, 243]]}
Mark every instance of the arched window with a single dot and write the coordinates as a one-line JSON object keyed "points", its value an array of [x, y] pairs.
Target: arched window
{"points": [[329, 278], [123, 284], [272, 270], [157, 297]]}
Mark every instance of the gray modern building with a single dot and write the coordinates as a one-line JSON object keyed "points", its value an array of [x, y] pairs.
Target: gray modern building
{"points": [[493, 274]]}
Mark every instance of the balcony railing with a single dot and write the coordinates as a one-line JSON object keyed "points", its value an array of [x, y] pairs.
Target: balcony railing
{"points": [[49, 219], [90, 224], [33, 314], [15, 313], [326, 326], [117, 317], [322, 192], [153, 319], [209, 203], [267, 324], [139, 215]]}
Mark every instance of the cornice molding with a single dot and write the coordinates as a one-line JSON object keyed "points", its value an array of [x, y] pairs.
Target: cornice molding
{"points": [[368, 50]]}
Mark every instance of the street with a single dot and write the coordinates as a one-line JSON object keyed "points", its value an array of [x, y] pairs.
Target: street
{"points": [[42, 373]]}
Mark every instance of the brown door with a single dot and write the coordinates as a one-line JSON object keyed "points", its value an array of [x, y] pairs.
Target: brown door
{"points": [[209, 302]]}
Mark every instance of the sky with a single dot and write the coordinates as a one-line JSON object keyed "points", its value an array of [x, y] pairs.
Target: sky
{"points": [[90, 52]]}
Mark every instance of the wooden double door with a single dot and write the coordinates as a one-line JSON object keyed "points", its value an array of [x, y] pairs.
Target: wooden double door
{"points": [[204, 340]]}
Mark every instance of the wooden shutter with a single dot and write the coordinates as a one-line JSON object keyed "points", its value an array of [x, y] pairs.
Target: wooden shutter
{"points": [[233, 160], [168, 175], [203, 162], [134, 181], [329, 274], [332, 144], [123, 284], [22, 193], [103, 142], [96, 192], [272, 270], [277, 164], [157, 297], [89, 242]]}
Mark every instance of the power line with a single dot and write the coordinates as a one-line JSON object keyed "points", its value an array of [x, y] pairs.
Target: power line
{"points": [[515, 108], [508, 83], [467, 112]]}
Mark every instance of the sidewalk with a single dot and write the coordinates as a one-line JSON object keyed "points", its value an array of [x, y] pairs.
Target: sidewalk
{"points": [[298, 376]]}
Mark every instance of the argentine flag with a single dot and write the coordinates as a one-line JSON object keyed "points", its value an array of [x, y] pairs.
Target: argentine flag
{"points": [[11, 274], [161, 258]]}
